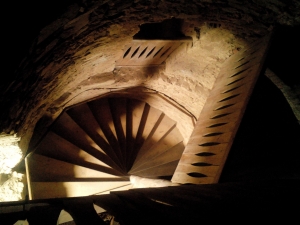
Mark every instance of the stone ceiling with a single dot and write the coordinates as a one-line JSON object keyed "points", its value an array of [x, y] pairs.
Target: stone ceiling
{"points": [[73, 58]]}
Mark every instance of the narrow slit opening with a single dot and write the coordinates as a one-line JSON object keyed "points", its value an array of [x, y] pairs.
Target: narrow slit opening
{"points": [[230, 97], [239, 72], [158, 51], [235, 81], [213, 134], [240, 59], [165, 52], [220, 115], [242, 64], [201, 164], [195, 174], [150, 52], [134, 53], [127, 52], [142, 53], [209, 144], [216, 125], [205, 154], [224, 107]]}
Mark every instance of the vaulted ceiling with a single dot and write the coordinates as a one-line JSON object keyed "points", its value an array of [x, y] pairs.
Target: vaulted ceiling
{"points": [[74, 56], [78, 53]]}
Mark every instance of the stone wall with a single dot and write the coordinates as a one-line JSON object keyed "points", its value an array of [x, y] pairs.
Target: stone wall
{"points": [[75, 55]]}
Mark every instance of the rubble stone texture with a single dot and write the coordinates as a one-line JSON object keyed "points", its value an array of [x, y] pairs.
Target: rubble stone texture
{"points": [[12, 189], [11, 182], [10, 153]]}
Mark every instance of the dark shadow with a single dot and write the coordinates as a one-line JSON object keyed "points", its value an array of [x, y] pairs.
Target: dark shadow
{"points": [[169, 29], [265, 144], [283, 57]]}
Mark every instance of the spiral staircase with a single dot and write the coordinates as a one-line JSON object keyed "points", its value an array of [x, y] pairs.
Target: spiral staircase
{"points": [[94, 147]]}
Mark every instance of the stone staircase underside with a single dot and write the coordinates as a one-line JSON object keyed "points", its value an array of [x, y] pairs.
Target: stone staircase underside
{"points": [[206, 152], [94, 147]]}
